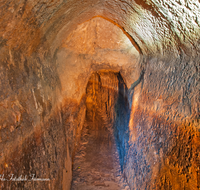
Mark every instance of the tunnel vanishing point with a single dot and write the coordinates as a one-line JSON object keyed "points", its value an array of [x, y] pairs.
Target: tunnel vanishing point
{"points": [[95, 91]]}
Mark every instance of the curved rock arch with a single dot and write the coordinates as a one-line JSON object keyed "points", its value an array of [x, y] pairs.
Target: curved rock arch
{"points": [[42, 108]]}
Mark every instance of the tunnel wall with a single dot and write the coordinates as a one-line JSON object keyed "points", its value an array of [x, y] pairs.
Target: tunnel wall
{"points": [[38, 132], [164, 127], [165, 102], [164, 155], [43, 160]]}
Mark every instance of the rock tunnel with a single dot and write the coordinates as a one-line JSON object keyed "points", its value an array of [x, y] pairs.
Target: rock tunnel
{"points": [[99, 94]]}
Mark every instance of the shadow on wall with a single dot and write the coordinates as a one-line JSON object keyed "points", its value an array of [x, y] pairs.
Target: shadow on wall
{"points": [[121, 120]]}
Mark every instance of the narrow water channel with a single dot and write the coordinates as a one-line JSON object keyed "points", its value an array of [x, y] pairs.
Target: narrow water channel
{"points": [[96, 164]]}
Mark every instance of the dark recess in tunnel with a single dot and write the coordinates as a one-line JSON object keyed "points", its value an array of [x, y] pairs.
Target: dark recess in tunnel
{"points": [[107, 101]]}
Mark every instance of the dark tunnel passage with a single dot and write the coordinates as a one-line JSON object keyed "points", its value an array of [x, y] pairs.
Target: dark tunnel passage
{"points": [[100, 156], [62, 116]]}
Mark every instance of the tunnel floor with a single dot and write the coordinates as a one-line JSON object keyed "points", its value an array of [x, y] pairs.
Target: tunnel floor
{"points": [[96, 163]]}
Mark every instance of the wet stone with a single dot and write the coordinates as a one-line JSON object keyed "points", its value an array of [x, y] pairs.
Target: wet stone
{"points": [[97, 165]]}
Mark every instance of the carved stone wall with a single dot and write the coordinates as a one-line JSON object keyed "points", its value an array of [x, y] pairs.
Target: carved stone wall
{"points": [[48, 51]]}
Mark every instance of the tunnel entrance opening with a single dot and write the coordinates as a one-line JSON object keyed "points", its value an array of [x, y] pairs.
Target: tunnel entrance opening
{"points": [[100, 157]]}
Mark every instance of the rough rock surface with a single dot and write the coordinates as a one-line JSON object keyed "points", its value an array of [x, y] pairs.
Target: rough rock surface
{"points": [[99, 159], [96, 165], [48, 51]]}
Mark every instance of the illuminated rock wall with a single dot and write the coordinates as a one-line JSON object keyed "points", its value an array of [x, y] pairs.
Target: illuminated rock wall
{"points": [[48, 51]]}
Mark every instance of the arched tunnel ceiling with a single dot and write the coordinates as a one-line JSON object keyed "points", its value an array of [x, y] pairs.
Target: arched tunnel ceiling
{"points": [[156, 26], [95, 45], [153, 44]]}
